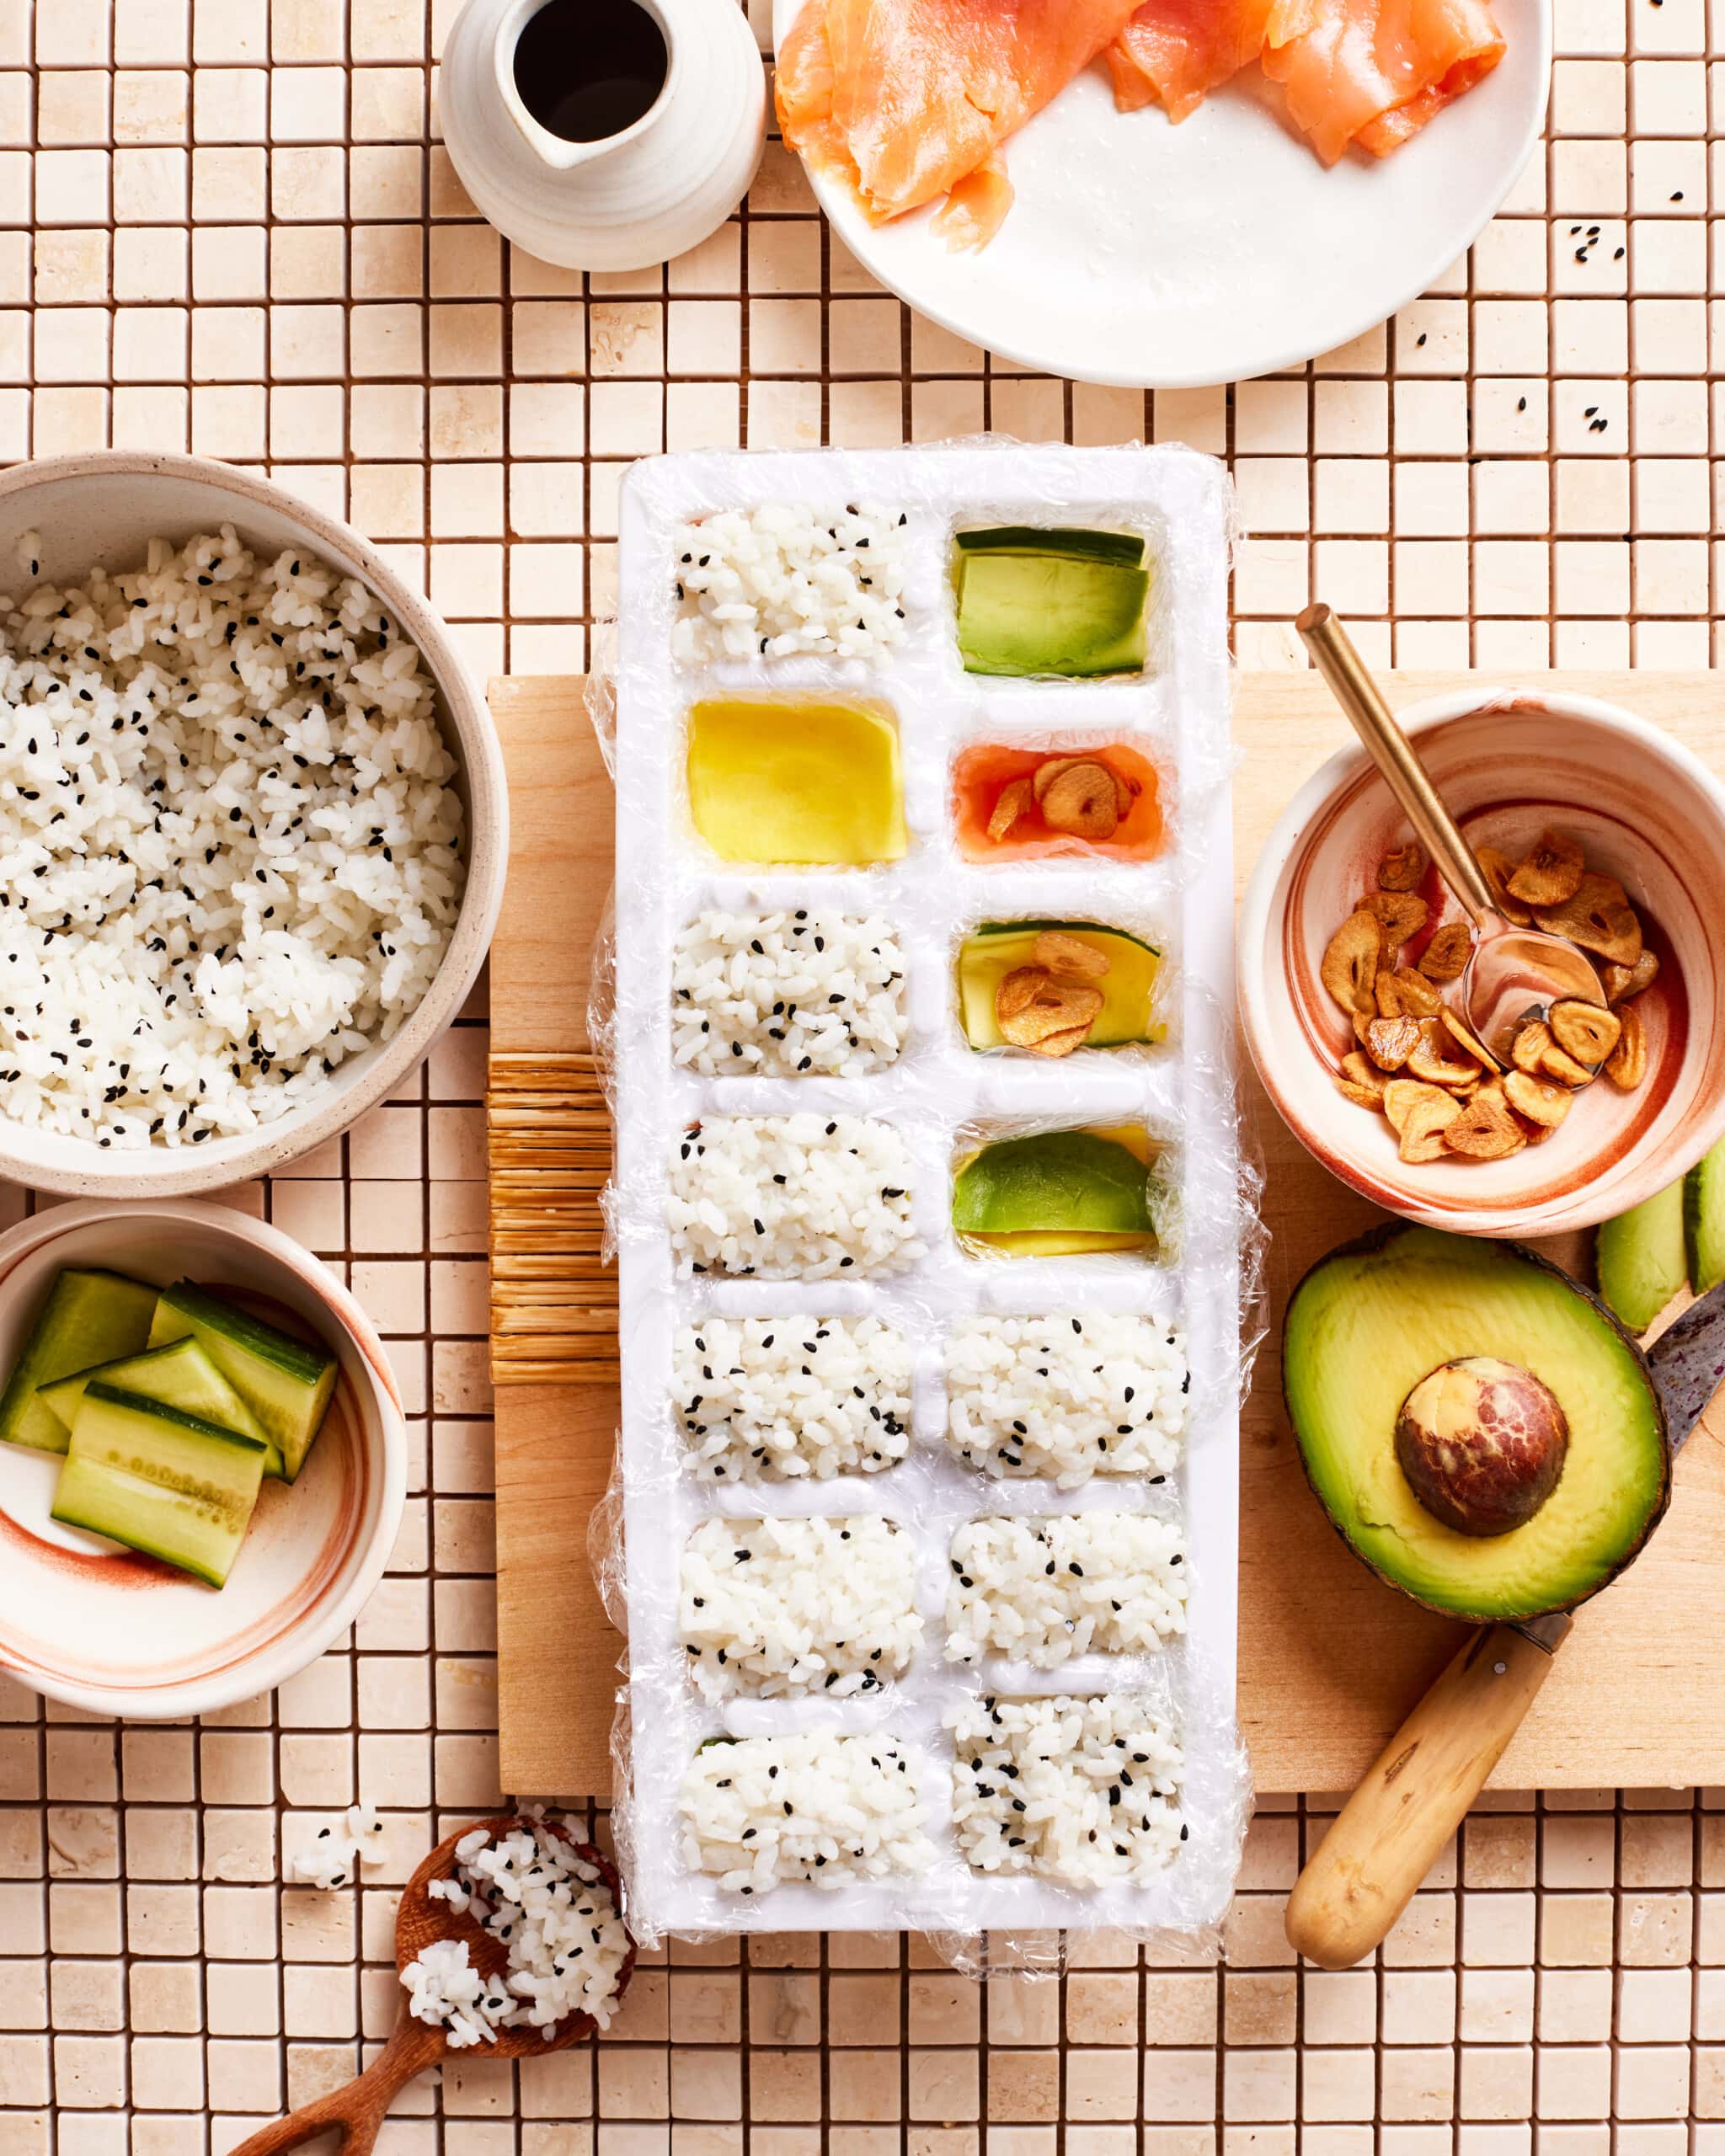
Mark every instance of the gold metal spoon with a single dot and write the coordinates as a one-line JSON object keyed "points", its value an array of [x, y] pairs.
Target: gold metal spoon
{"points": [[1515, 974]]}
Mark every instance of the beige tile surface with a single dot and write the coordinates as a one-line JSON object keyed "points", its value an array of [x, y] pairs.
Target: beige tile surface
{"points": [[229, 226]]}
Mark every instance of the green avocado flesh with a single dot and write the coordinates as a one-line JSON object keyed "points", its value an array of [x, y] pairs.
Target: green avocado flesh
{"points": [[1639, 1257], [285, 1384], [1704, 1219], [90, 1317], [1050, 612], [1370, 1321], [998, 947], [1056, 1193], [160, 1480]]}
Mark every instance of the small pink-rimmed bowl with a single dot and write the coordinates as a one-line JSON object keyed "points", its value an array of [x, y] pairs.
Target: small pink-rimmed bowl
{"points": [[102, 1628], [1507, 762]]}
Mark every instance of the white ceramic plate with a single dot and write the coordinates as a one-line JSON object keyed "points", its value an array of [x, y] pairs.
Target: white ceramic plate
{"points": [[1150, 255], [86, 1621]]}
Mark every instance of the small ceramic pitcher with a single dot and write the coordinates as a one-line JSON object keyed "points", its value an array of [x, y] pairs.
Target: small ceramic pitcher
{"points": [[653, 189]]}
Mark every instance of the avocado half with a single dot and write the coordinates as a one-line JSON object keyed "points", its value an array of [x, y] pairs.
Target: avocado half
{"points": [[1369, 1321]]}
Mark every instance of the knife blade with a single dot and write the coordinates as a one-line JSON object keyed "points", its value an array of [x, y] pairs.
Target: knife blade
{"points": [[1688, 1365], [1688, 1362]]}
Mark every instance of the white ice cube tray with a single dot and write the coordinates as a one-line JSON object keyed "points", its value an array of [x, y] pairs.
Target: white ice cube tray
{"points": [[938, 1093]]}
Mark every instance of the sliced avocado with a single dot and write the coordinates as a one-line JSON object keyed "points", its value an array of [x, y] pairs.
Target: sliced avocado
{"points": [[1371, 1321], [286, 1383], [1127, 547], [1063, 1242], [1704, 1219], [1045, 613], [90, 1317], [998, 947], [771, 781], [181, 1375], [1054, 1193], [157, 1480], [1639, 1257]]}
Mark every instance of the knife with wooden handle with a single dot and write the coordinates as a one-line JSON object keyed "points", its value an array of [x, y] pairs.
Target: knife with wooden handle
{"points": [[1421, 1785]]}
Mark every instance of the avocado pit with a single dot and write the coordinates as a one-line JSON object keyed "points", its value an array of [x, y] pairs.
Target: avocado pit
{"points": [[1481, 1444]]}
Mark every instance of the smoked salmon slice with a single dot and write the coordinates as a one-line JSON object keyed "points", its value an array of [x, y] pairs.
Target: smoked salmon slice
{"points": [[1375, 71], [1173, 53], [908, 100]]}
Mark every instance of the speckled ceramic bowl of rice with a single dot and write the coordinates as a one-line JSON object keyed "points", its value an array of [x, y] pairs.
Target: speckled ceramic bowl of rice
{"points": [[254, 818]]}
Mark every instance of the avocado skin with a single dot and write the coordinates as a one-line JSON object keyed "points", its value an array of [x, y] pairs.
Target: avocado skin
{"points": [[1508, 1608]]}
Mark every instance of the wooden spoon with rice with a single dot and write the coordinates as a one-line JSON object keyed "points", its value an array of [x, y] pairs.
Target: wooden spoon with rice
{"points": [[358, 2109]]}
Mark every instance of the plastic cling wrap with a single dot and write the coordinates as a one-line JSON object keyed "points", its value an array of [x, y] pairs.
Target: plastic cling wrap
{"points": [[928, 1537]]}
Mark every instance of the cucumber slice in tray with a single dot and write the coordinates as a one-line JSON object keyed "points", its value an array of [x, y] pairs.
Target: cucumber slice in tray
{"points": [[1050, 601], [160, 1480], [171, 1405]]}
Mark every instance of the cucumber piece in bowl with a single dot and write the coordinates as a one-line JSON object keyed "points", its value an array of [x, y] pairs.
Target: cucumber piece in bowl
{"points": [[90, 1317], [286, 1383], [159, 1480], [180, 1375]]}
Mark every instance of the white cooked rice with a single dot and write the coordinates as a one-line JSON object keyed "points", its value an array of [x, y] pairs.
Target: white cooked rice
{"points": [[788, 578], [1066, 1397], [233, 855], [552, 1909], [784, 993], [778, 1399], [1086, 1792], [776, 1608], [1042, 1590], [817, 1806], [792, 1197], [330, 1860]]}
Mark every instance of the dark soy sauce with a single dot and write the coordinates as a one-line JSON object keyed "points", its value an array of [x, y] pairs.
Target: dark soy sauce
{"points": [[586, 69]]}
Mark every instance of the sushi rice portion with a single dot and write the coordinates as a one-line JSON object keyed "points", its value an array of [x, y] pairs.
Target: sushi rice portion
{"points": [[787, 579], [1042, 1590], [1082, 1791], [1066, 1397], [794, 1197], [781, 995], [760, 1811], [552, 1909], [784, 1399], [233, 849], [774, 1609]]}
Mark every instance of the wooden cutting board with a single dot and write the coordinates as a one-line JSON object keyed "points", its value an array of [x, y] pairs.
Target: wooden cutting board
{"points": [[1329, 1659]]}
